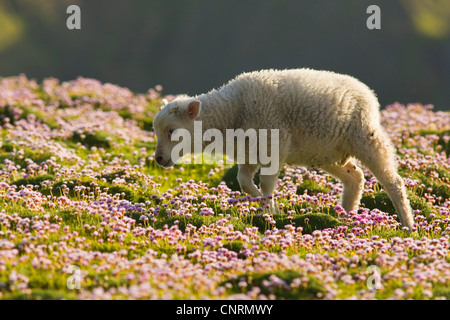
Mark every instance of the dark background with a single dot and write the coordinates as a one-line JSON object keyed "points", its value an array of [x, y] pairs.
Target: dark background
{"points": [[192, 46]]}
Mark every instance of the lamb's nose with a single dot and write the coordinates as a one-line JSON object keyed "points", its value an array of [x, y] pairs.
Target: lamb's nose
{"points": [[159, 159]]}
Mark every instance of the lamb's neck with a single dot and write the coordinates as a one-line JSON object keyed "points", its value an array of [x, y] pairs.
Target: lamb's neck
{"points": [[218, 110]]}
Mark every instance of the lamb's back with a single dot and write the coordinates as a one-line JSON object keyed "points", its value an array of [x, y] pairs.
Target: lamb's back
{"points": [[302, 97]]}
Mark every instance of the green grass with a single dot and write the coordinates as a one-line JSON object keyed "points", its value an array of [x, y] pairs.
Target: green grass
{"points": [[311, 187], [309, 222], [307, 287], [381, 201], [100, 139], [39, 294], [445, 144], [34, 180]]}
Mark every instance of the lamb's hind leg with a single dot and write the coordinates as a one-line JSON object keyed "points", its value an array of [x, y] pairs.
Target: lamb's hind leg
{"points": [[378, 155], [352, 178], [245, 179]]}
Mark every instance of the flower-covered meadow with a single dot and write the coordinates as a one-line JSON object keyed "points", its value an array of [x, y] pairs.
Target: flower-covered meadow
{"points": [[86, 213]]}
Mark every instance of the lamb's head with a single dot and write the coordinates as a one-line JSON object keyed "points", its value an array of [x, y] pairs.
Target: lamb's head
{"points": [[178, 114]]}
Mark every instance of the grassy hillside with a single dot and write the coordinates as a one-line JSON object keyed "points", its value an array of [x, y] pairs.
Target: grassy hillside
{"points": [[80, 190]]}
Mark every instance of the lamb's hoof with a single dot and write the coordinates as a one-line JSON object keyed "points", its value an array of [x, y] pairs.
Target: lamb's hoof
{"points": [[407, 225], [408, 229]]}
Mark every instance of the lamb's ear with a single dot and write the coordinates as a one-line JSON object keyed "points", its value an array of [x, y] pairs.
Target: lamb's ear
{"points": [[193, 109], [164, 102]]}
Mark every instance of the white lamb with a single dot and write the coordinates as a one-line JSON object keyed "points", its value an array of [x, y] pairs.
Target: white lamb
{"points": [[324, 119]]}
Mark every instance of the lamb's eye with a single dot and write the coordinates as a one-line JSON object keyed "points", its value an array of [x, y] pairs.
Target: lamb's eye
{"points": [[170, 131]]}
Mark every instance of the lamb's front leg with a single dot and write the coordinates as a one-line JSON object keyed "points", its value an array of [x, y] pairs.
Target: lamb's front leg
{"points": [[245, 179], [268, 185], [268, 182]]}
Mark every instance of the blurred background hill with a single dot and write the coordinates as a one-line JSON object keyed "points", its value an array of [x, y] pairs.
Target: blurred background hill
{"points": [[195, 45]]}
